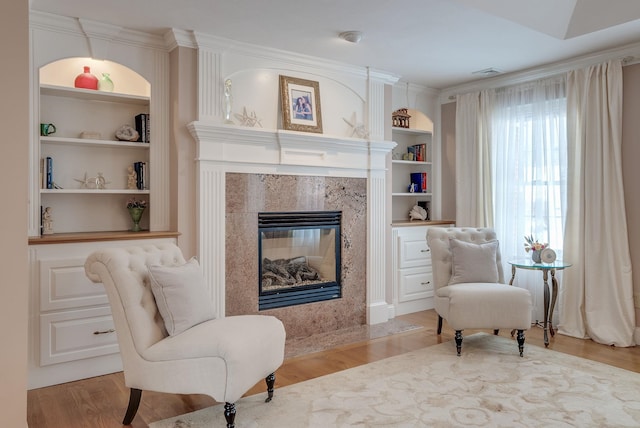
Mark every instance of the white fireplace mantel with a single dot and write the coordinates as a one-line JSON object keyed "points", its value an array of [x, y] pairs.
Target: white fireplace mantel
{"points": [[230, 148]]}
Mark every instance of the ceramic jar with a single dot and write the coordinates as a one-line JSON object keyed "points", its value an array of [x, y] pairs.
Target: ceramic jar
{"points": [[86, 80]]}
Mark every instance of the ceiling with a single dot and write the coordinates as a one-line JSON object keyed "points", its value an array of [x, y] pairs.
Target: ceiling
{"points": [[437, 43]]}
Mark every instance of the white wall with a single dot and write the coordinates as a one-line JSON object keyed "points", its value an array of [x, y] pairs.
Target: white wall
{"points": [[14, 119]]}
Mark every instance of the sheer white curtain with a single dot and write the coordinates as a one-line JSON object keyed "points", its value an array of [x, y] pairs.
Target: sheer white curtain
{"points": [[597, 293], [529, 157], [473, 162]]}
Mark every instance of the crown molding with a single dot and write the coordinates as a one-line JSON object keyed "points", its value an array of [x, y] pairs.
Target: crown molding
{"points": [[629, 54], [96, 30]]}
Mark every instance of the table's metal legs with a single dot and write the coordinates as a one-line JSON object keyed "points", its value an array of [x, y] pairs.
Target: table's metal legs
{"points": [[548, 311], [554, 296], [546, 306]]}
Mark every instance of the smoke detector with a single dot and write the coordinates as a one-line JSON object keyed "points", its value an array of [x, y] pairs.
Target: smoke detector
{"points": [[487, 72], [351, 36]]}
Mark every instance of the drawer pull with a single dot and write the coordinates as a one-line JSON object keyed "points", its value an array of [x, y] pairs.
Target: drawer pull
{"points": [[426, 283], [425, 251], [104, 331]]}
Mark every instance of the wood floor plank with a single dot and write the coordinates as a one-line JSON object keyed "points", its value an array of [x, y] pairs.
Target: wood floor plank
{"points": [[100, 402]]}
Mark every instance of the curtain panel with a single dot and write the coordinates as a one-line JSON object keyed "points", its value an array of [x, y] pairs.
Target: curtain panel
{"points": [[597, 293]]}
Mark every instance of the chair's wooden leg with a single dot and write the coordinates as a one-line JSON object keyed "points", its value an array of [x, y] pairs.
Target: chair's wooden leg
{"points": [[230, 414], [439, 324], [132, 409], [521, 341], [459, 341], [271, 380], [496, 331]]}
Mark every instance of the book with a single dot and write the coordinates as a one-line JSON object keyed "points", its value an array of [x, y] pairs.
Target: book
{"points": [[141, 175], [142, 126], [49, 172], [420, 181]]}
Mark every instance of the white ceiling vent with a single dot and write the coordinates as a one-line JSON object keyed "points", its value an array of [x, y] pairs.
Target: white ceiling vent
{"points": [[487, 72]]}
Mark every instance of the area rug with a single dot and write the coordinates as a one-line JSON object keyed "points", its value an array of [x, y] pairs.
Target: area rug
{"points": [[490, 385]]}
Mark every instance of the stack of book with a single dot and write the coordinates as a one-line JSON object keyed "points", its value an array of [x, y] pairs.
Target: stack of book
{"points": [[47, 172], [419, 179], [419, 152], [141, 175], [142, 126]]}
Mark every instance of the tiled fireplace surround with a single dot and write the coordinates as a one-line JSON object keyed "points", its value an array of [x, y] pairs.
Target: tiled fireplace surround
{"points": [[243, 171]]}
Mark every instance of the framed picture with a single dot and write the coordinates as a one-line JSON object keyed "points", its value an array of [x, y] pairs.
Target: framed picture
{"points": [[300, 104]]}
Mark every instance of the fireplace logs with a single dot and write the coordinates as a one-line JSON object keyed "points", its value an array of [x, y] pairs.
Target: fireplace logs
{"points": [[285, 273]]}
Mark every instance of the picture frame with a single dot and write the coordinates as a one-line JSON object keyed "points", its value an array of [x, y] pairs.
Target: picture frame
{"points": [[300, 99]]}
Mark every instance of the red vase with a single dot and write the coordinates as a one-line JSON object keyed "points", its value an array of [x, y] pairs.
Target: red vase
{"points": [[86, 80]]}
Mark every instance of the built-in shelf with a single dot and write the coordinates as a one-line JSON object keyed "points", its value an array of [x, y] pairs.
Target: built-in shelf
{"points": [[409, 131], [414, 194], [408, 162], [93, 95], [93, 143], [96, 191]]}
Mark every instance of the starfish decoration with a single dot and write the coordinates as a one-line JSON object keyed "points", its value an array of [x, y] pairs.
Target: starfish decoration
{"points": [[248, 119], [357, 129], [98, 182]]}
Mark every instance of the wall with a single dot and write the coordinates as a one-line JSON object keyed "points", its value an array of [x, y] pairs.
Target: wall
{"points": [[448, 160], [631, 172], [183, 110], [14, 119]]}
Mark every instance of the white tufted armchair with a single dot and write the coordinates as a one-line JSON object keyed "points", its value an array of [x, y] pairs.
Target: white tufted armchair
{"points": [[223, 357], [469, 286]]}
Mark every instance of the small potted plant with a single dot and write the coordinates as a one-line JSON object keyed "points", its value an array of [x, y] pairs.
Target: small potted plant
{"points": [[136, 208]]}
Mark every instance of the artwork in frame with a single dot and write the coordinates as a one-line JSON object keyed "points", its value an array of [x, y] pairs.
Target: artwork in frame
{"points": [[300, 104]]}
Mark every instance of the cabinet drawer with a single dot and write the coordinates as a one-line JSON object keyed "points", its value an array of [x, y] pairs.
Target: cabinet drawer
{"points": [[73, 335], [413, 252], [415, 283], [64, 285]]}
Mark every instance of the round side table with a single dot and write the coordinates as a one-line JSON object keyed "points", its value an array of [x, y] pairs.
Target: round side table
{"points": [[546, 268]]}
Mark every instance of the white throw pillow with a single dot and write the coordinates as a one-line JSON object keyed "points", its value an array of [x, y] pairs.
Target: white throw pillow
{"points": [[181, 296], [473, 262]]}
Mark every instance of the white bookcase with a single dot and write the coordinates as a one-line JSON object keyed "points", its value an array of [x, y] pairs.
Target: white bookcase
{"points": [[78, 207], [403, 200]]}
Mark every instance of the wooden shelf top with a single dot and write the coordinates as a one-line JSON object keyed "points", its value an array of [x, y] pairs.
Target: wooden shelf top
{"points": [[65, 238]]}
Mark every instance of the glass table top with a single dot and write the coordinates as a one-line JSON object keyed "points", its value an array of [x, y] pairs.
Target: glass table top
{"points": [[527, 263]]}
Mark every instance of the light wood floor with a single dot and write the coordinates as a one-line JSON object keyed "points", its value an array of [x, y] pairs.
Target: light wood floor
{"points": [[101, 401]]}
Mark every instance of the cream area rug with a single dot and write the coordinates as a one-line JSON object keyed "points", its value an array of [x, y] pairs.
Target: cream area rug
{"points": [[490, 385]]}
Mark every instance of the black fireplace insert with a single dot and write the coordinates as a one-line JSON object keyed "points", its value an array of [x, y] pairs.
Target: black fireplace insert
{"points": [[299, 257]]}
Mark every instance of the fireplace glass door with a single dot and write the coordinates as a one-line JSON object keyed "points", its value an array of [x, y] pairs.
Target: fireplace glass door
{"points": [[299, 258]]}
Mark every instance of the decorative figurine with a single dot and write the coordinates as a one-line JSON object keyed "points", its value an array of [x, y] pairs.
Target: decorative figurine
{"points": [[248, 119], [132, 178], [227, 101], [357, 129], [47, 221], [400, 118]]}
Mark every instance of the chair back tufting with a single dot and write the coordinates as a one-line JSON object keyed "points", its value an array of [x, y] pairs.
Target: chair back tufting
{"points": [[125, 275], [440, 249]]}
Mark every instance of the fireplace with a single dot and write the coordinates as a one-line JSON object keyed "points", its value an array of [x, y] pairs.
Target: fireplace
{"points": [[299, 257]]}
